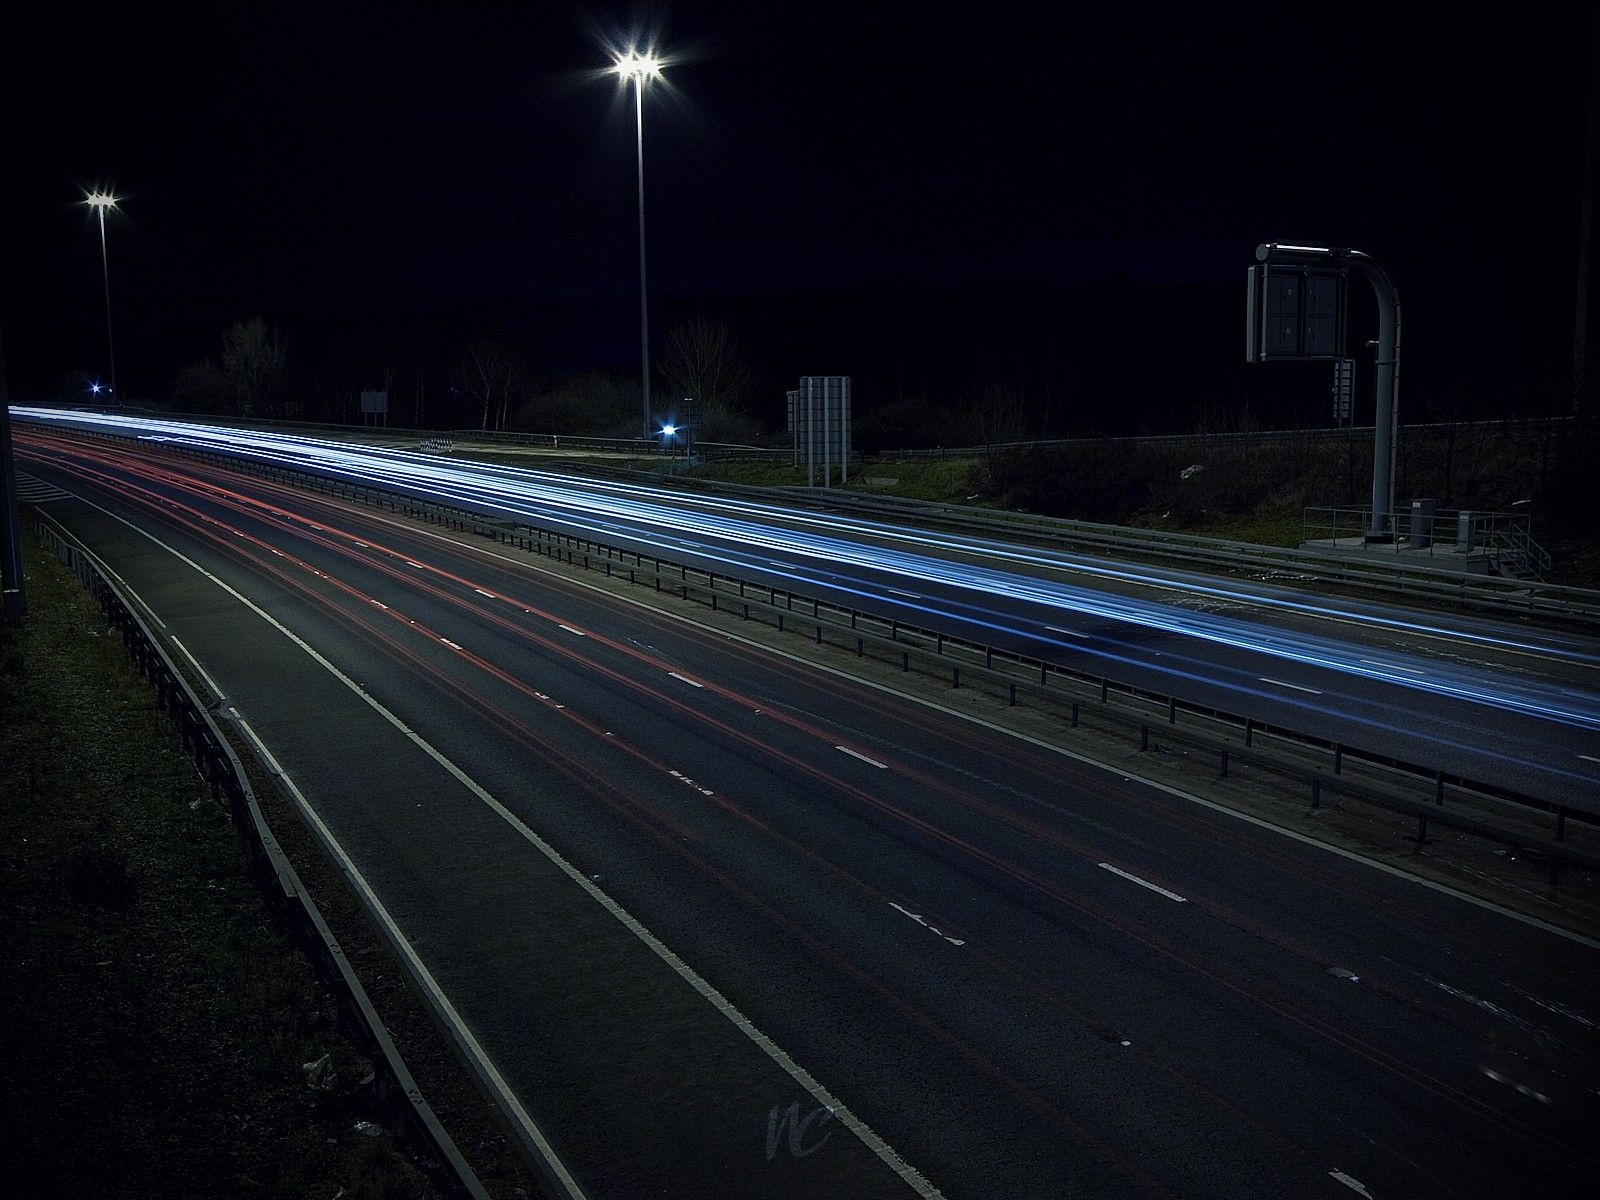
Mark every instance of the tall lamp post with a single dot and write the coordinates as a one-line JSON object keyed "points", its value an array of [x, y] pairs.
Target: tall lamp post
{"points": [[640, 69], [100, 201]]}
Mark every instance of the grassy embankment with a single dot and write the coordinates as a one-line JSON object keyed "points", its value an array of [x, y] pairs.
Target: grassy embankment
{"points": [[156, 1026], [1256, 491]]}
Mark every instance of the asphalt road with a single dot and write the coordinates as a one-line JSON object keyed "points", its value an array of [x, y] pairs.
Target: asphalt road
{"points": [[1511, 706], [973, 967]]}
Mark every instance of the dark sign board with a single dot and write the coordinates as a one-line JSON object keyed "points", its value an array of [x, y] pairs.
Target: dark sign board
{"points": [[1295, 313]]}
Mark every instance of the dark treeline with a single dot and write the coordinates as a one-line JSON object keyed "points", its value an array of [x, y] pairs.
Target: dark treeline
{"points": [[930, 365]]}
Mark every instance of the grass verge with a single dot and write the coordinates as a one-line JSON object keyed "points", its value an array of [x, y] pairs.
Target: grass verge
{"points": [[157, 1027]]}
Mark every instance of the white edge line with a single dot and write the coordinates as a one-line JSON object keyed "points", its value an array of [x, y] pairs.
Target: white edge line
{"points": [[1295, 686], [685, 679], [1144, 883], [871, 762], [142, 603], [195, 663], [799, 1074], [1121, 773], [398, 939]]}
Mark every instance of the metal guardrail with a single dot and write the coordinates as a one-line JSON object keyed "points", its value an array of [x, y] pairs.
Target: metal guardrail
{"points": [[1502, 541], [1322, 765], [1247, 437], [1380, 573], [433, 439], [404, 1112]]}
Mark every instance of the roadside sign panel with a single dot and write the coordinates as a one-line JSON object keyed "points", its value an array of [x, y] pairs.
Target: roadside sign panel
{"points": [[1295, 313]]}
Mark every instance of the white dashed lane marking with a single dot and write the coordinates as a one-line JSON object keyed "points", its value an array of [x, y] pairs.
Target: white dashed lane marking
{"points": [[1144, 883]]}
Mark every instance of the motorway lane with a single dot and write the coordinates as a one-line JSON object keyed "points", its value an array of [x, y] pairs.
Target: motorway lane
{"points": [[1058, 953], [1515, 708]]}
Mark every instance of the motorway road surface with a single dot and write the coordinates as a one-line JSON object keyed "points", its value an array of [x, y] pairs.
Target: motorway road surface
{"points": [[729, 925], [1510, 706]]}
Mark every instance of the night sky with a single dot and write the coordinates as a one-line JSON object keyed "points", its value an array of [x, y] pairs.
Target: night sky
{"points": [[320, 164]]}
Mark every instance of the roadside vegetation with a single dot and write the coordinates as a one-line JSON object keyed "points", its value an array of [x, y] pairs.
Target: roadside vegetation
{"points": [[161, 1038], [1257, 489]]}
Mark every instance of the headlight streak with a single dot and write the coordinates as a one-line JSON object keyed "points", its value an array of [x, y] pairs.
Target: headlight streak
{"points": [[644, 515], [1379, 714]]}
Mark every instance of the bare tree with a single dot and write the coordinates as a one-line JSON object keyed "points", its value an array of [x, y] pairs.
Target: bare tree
{"points": [[704, 363], [254, 360], [485, 372], [999, 415]]}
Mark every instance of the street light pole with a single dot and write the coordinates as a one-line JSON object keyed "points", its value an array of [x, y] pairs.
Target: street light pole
{"points": [[100, 201], [644, 292], [640, 69]]}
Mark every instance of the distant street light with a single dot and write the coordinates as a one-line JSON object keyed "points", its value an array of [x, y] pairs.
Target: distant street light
{"points": [[640, 69], [100, 201]]}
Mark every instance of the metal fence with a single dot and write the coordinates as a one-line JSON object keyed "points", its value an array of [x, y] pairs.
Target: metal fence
{"points": [[1386, 574], [1340, 433], [1503, 542], [402, 1109], [1428, 795]]}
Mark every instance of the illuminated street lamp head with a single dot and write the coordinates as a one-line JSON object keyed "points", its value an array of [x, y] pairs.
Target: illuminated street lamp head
{"points": [[100, 200], [639, 67], [669, 430]]}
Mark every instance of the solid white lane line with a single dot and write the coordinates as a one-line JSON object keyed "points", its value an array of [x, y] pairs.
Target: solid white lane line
{"points": [[150, 612], [1144, 883], [481, 592], [195, 663], [570, 629], [913, 1178], [685, 679], [397, 938], [1295, 686], [871, 762], [1069, 632], [1394, 666], [1355, 1185]]}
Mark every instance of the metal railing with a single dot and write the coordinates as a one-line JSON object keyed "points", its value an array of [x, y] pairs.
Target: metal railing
{"points": [[1427, 794], [1338, 433], [402, 1109], [1502, 542]]}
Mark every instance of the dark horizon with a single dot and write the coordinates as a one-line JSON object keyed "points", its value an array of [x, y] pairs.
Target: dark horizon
{"points": [[389, 174]]}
